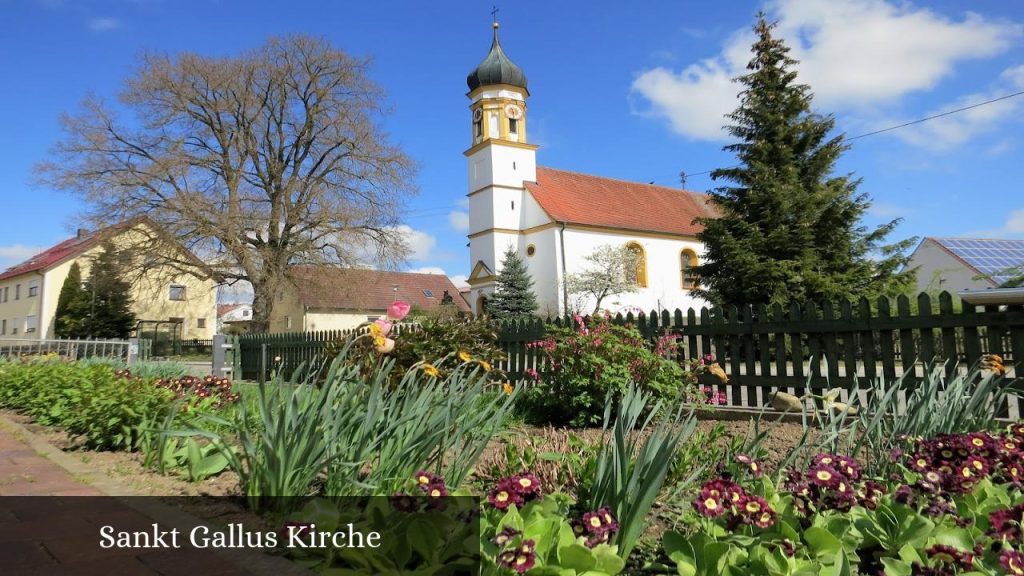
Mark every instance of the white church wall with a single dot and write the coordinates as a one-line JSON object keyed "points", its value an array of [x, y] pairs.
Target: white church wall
{"points": [[664, 289], [533, 214], [543, 266]]}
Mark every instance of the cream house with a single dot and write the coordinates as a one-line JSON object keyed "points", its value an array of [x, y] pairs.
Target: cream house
{"points": [[333, 298], [29, 290], [556, 218]]}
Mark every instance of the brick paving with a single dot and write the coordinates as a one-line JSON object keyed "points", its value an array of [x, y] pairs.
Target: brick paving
{"points": [[46, 527]]}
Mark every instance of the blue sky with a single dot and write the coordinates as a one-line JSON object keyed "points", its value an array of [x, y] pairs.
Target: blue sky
{"points": [[628, 90]]}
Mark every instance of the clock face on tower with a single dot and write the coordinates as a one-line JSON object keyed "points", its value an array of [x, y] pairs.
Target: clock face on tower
{"points": [[513, 112], [478, 114]]}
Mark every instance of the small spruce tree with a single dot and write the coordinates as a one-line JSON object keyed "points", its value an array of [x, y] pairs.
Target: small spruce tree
{"points": [[108, 297], [513, 290], [787, 229], [72, 306]]}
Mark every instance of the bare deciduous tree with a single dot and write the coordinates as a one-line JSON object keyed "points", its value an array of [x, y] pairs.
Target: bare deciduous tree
{"points": [[610, 271], [254, 163]]}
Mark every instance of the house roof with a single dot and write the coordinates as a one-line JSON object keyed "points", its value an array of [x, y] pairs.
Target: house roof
{"points": [[985, 256], [67, 249], [223, 309], [597, 201], [334, 288]]}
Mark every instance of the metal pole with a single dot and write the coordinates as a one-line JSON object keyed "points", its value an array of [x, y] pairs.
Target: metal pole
{"points": [[263, 363], [219, 350]]}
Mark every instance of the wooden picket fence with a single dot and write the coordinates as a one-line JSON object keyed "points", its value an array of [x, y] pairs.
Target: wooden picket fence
{"points": [[762, 349], [262, 355]]}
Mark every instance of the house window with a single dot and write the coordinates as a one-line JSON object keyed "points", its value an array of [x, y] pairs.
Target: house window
{"points": [[17, 291], [7, 292], [246, 313], [200, 322], [288, 322], [687, 261], [31, 323], [177, 292], [636, 268], [14, 325], [176, 320], [33, 289], [3, 327], [372, 318]]}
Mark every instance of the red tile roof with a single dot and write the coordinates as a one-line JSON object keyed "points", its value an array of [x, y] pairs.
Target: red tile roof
{"points": [[67, 249], [334, 288], [223, 309], [596, 201]]}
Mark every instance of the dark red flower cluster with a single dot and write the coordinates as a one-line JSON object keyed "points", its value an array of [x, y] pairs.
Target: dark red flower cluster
{"points": [[750, 465], [726, 498], [1012, 561], [518, 490], [520, 558], [952, 464], [1006, 523], [948, 556], [513, 551], [431, 484], [598, 527], [833, 482], [195, 389]]}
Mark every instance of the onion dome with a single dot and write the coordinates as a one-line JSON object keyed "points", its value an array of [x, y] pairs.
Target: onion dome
{"points": [[496, 69]]}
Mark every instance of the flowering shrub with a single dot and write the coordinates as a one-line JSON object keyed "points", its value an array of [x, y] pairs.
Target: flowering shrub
{"points": [[524, 531], [586, 362], [956, 507]]}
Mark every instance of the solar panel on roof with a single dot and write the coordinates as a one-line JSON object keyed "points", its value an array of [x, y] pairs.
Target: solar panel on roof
{"points": [[988, 256]]}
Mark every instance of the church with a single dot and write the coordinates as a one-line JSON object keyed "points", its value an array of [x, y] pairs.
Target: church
{"points": [[556, 218]]}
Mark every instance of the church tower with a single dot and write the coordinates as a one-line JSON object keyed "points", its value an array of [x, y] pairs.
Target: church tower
{"points": [[500, 160]]}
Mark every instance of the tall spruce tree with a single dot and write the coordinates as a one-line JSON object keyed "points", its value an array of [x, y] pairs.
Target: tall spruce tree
{"points": [[787, 229], [513, 289], [108, 297], [72, 306]]}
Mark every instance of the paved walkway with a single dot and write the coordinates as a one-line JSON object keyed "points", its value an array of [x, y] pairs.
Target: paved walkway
{"points": [[47, 527]]}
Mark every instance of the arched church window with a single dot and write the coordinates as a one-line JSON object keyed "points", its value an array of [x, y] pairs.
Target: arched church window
{"points": [[481, 305], [687, 261], [636, 268]]}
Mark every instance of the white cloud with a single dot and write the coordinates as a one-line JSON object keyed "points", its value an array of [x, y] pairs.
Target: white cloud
{"points": [[103, 24], [420, 243], [853, 54], [459, 280], [459, 220], [951, 131], [1015, 222], [16, 253], [428, 270]]}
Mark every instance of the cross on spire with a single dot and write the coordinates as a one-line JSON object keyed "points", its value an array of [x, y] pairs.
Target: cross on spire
{"points": [[494, 16]]}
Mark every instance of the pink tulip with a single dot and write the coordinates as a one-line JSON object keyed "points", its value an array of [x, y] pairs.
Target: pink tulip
{"points": [[386, 347], [398, 310], [384, 325]]}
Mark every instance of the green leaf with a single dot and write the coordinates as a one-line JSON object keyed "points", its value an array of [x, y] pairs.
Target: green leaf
{"points": [[894, 567], [822, 542], [576, 557], [607, 559]]}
